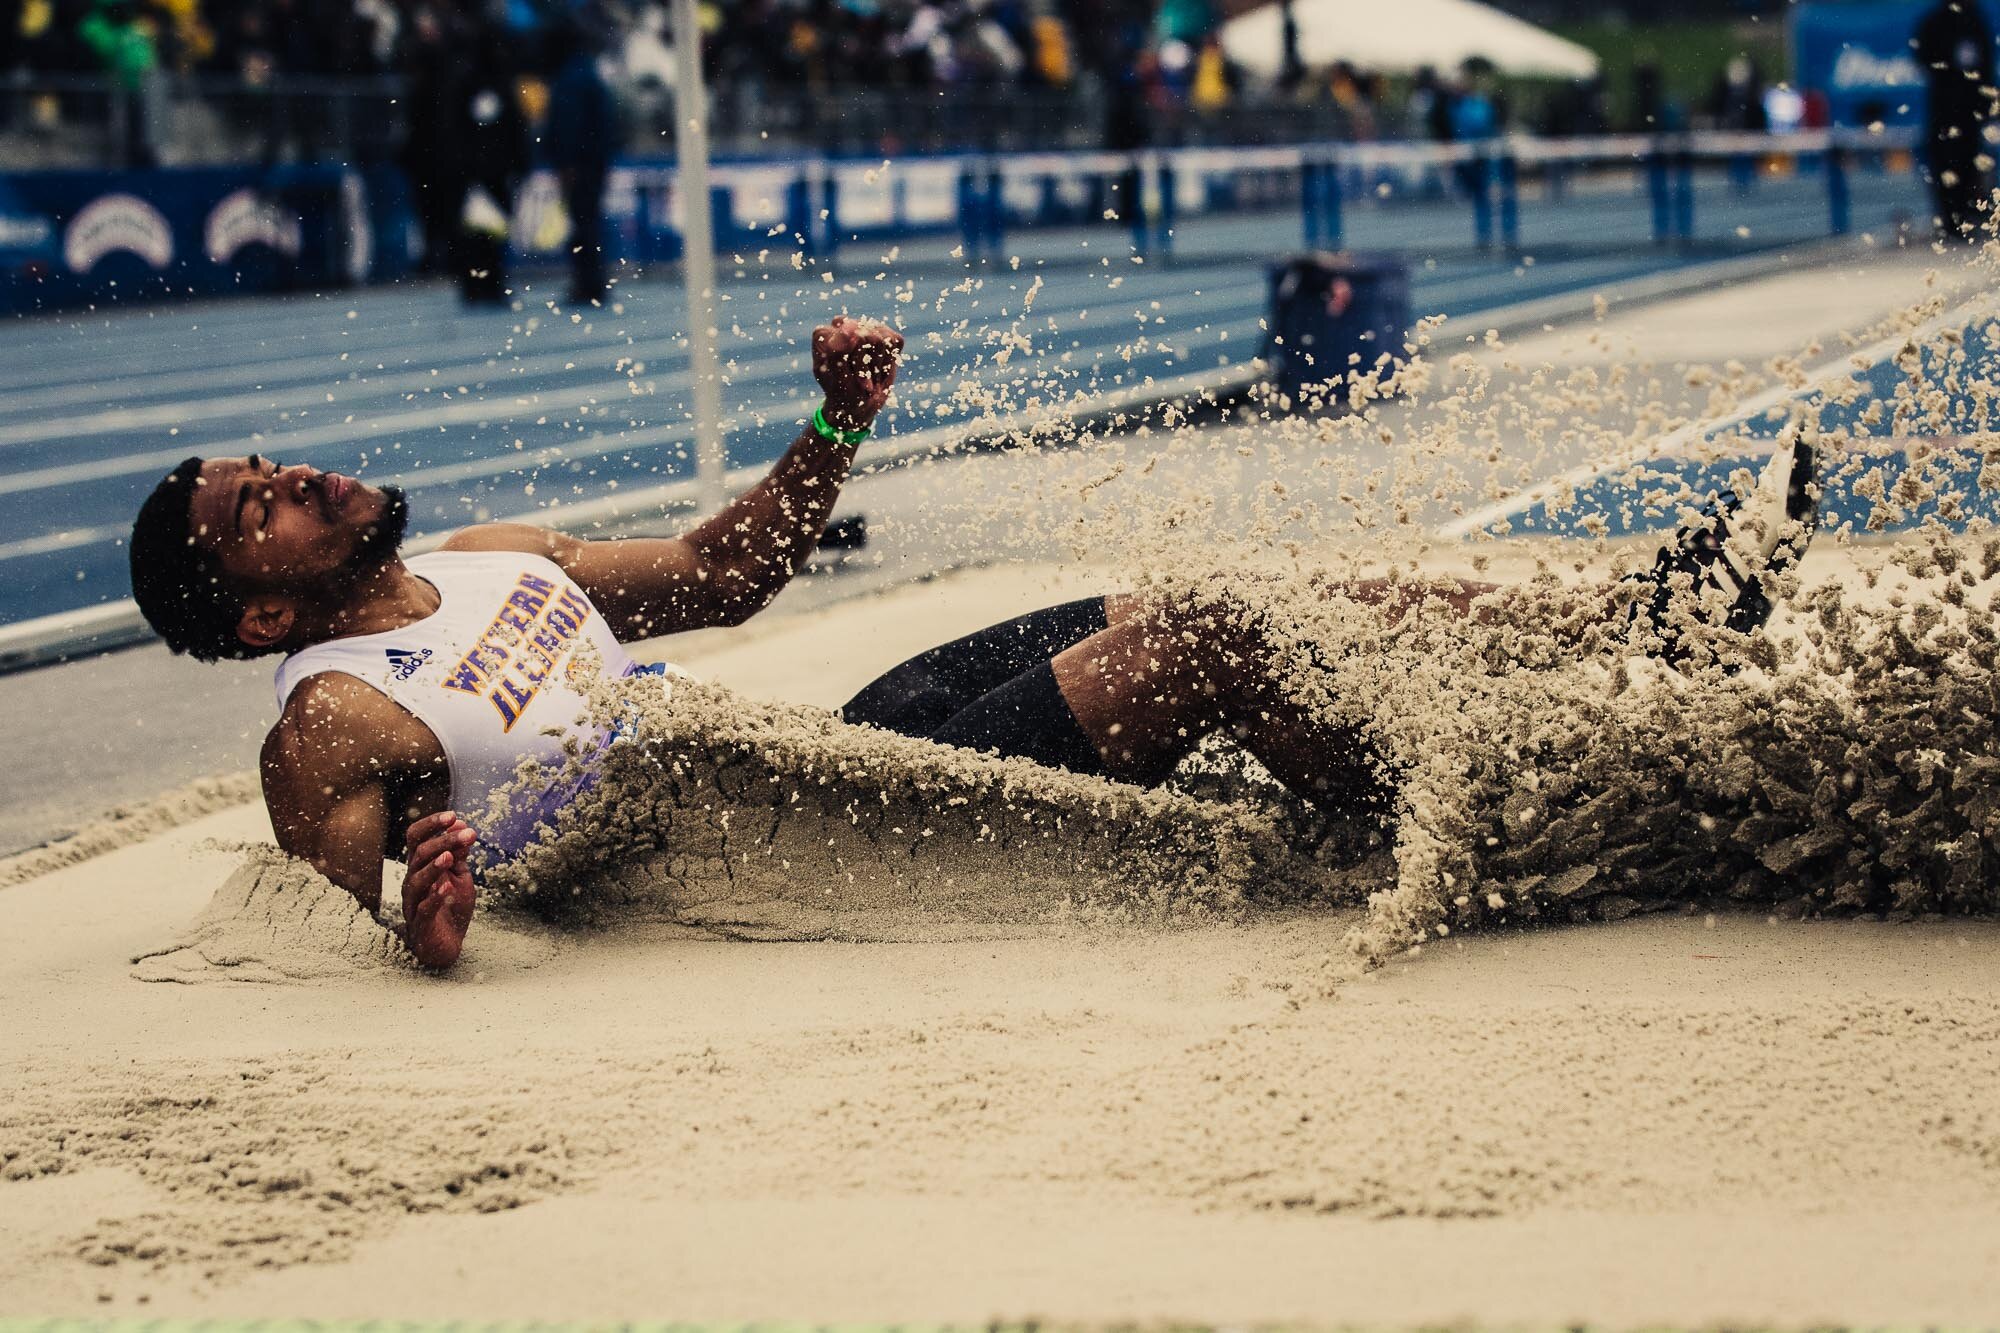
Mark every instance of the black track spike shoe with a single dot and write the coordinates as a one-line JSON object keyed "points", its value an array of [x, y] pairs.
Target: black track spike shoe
{"points": [[1711, 573]]}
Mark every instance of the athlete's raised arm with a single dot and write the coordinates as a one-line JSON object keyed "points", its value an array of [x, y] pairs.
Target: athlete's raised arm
{"points": [[730, 567]]}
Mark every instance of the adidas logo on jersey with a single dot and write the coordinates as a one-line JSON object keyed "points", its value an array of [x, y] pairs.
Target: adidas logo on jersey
{"points": [[405, 663]]}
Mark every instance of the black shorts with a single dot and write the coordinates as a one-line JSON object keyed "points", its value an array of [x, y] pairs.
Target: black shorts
{"points": [[993, 690]]}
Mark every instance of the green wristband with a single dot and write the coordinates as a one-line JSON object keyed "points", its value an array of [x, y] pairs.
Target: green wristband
{"points": [[828, 431]]}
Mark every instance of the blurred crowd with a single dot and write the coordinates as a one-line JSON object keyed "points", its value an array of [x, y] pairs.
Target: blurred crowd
{"points": [[901, 43], [1149, 69], [810, 43], [251, 40]]}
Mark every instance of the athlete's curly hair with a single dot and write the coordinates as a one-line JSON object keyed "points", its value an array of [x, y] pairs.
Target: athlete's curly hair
{"points": [[181, 590]]}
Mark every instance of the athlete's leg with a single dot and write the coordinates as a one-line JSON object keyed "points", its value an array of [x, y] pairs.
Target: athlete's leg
{"points": [[1133, 696], [920, 695], [1712, 572], [1133, 699], [1146, 690], [1149, 687]]}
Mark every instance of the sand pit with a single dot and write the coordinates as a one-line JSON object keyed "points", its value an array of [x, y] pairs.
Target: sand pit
{"points": [[1162, 1115], [821, 1026]]}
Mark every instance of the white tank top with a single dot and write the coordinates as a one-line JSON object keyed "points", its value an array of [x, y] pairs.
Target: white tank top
{"points": [[492, 672]]}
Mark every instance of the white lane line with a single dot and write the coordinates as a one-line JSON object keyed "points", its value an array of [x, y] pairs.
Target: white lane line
{"points": [[272, 399], [307, 369], [1824, 376], [169, 322], [126, 465], [497, 412], [298, 367], [303, 371], [181, 411], [66, 540]]}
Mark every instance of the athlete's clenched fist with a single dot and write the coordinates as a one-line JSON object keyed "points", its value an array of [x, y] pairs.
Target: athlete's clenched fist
{"points": [[854, 361]]}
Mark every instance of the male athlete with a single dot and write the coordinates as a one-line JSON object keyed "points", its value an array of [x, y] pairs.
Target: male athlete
{"points": [[412, 690]]}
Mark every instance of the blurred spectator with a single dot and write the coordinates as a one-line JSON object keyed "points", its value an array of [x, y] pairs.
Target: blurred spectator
{"points": [[486, 137], [1214, 85], [1351, 94], [1476, 111], [1128, 128], [185, 41], [1110, 34], [1579, 108], [13, 35], [1477, 115], [1738, 100], [1187, 21], [1053, 64], [1818, 110], [581, 138], [120, 40], [1168, 73], [431, 81], [1654, 109], [1291, 65], [1954, 46], [1430, 106]]}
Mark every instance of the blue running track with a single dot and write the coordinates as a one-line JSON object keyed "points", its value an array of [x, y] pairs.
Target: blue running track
{"points": [[511, 414]]}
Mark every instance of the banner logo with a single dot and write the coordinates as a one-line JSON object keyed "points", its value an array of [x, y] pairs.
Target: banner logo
{"points": [[248, 218], [117, 222], [1860, 68]]}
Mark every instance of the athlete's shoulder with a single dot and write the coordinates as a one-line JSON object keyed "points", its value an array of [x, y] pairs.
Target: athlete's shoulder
{"points": [[333, 718], [521, 538]]}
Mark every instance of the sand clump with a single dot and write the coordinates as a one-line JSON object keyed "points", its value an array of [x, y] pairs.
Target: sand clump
{"points": [[763, 820], [1843, 768], [277, 920]]}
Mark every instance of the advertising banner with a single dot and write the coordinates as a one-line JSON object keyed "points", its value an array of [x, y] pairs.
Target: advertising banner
{"points": [[1858, 57], [75, 238]]}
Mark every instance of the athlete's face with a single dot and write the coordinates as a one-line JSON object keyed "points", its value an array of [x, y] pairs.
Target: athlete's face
{"points": [[293, 527]]}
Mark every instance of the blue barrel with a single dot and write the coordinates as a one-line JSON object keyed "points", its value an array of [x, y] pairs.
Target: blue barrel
{"points": [[1328, 309]]}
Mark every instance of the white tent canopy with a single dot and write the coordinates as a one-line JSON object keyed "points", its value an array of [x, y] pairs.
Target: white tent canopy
{"points": [[1398, 36]]}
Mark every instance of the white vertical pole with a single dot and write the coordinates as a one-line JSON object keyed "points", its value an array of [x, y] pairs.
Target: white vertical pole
{"points": [[698, 257]]}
